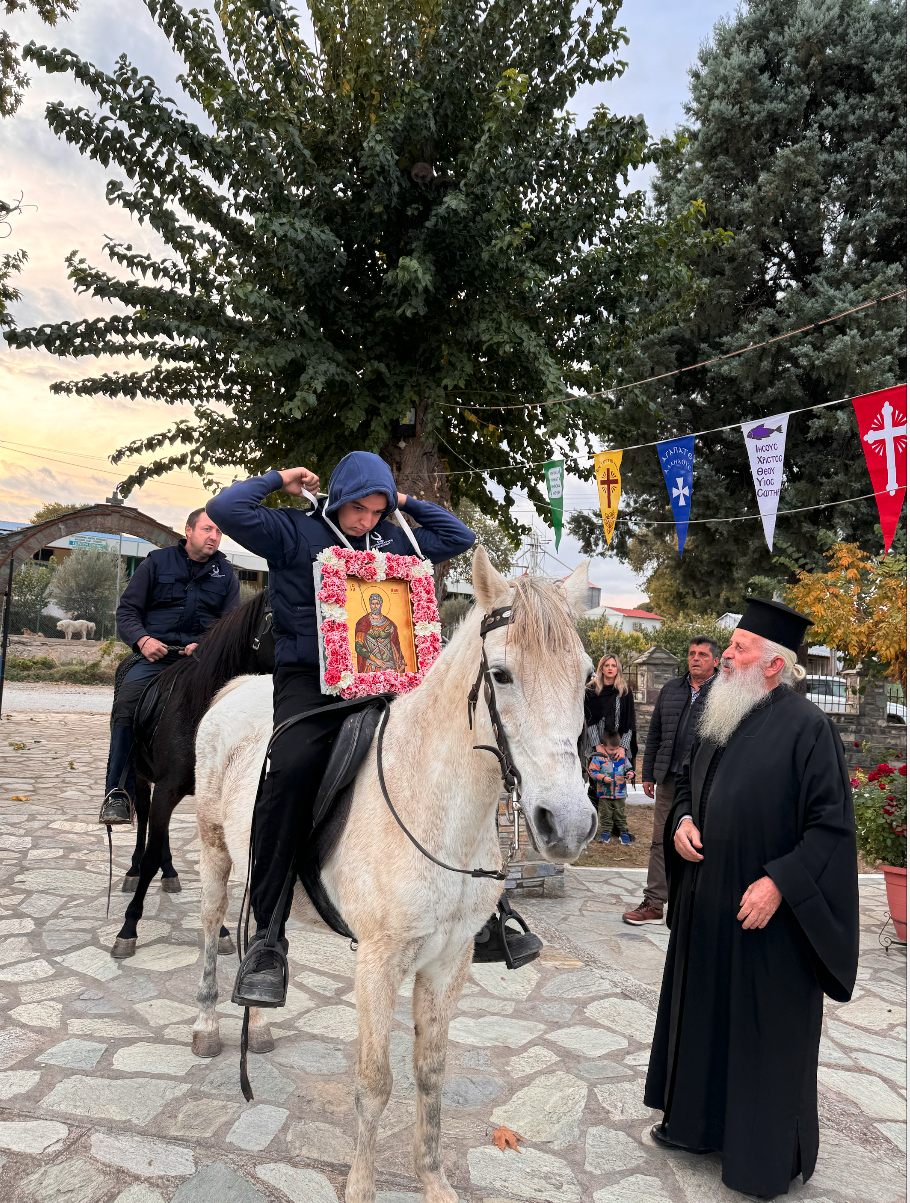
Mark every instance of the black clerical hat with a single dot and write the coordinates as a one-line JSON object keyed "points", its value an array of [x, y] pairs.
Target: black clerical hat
{"points": [[775, 621]]}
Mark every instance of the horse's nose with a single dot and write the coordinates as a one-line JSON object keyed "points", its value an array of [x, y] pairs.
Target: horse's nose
{"points": [[561, 838]]}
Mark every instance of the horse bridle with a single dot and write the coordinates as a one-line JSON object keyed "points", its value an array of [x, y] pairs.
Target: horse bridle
{"points": [[511, 777]]}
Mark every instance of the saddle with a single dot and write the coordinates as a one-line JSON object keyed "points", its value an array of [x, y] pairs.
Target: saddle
{"points": [[333, 800]]}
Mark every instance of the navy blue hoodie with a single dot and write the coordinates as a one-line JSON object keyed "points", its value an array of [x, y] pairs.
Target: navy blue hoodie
{"points": [[291, 539]]}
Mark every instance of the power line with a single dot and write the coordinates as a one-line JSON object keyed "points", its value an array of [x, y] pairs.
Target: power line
{"points": [[636, 446], [100, 471], [618, 388], [16, 446]]}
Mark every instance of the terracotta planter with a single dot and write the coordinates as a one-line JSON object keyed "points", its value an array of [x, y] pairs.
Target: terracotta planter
{"points": [[896, 885]]}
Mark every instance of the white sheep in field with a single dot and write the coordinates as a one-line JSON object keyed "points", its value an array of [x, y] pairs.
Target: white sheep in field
{"points": [[76, 626]]}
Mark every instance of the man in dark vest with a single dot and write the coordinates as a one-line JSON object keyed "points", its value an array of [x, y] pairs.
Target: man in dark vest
{"points": [[670, 736], [362, 498], [764, 915], [174, 595]]}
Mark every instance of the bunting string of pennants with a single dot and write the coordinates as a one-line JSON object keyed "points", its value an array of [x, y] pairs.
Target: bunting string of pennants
{"points": [[882, 420]]}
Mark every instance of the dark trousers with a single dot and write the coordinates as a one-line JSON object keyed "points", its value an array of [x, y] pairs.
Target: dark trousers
{"points": [[283, 816], [122, 712], [656, 888]]}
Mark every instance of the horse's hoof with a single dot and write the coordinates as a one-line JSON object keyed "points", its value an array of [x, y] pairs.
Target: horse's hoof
{"points": [[123, 948], [171, 885], [130, 883], [206, 1045], [260, 1040], [225, 946]]}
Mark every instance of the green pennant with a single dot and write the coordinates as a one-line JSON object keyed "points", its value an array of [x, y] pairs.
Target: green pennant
{"points": [[554, 474]]}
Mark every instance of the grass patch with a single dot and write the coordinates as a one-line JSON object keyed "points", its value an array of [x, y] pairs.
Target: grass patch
{"points": [[38, 669]]}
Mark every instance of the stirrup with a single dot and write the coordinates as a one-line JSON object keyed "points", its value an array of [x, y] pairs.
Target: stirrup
{"points": [[115, 798], [247, 966], [497, 943]]}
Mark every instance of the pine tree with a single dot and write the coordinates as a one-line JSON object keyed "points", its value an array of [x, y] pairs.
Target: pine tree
{"points": [[796, 144], [399, 220]]}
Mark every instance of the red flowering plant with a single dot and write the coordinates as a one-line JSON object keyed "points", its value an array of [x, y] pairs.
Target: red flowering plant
{"points": [[880, 805], [339, 674]]}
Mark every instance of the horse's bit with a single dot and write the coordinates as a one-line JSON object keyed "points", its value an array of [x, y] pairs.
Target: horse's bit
{"points": [[511, 777]]}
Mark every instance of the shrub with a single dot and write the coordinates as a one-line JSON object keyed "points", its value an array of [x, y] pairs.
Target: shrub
{"points": [[85, 585], [880, 804]]}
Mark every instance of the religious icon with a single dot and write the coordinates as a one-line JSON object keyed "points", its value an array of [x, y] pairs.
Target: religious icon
{"points": [[382, 637], [376, 642]]}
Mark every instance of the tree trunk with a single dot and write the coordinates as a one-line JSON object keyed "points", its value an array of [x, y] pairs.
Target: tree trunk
{"points": [[418, 470]]}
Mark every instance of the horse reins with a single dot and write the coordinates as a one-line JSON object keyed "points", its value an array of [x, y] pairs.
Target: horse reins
{"points": [[511, 777]]}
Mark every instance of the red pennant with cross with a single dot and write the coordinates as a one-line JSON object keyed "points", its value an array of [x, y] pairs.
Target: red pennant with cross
{"points": [[882, 419]]}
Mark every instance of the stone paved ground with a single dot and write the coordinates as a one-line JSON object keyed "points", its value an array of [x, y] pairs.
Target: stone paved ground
{"points": [[102, 1099]]}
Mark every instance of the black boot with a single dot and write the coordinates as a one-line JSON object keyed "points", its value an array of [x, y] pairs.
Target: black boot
{"points": [[117, 807], [262, 979], [496, 942]]}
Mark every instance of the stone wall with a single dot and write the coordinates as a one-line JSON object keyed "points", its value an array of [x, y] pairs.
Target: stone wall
{"points": [[62, 651], [868, 735]]}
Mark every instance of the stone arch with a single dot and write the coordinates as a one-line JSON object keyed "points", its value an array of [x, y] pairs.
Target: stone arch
{"points": [[21, 545]]}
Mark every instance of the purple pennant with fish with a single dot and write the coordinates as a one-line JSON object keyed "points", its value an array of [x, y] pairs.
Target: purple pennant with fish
{"points": [[677, 462]]}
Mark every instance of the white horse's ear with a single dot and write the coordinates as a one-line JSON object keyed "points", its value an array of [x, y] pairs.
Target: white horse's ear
{"points": [[490, 588], [576, 588]]}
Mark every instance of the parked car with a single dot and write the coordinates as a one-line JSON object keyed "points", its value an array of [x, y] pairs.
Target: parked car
{"points": [[830, 695]]}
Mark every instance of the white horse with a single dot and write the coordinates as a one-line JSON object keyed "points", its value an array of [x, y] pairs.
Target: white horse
{"points": [[409, 915]]}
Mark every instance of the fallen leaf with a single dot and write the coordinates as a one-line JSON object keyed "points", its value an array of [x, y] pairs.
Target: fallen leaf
{"points": [[19, 798], [504, 1138]]}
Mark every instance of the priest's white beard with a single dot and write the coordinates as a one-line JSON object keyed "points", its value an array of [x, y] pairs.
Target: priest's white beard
{"points": [[730, 699]]}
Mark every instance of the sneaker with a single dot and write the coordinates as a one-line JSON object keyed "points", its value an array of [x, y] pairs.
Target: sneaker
{"points": [[262, 979], [625, 838], [117, 809], [645, 913], [605, 837]]}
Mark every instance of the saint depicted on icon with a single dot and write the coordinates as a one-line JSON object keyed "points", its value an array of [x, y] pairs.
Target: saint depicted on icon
{"points": [[376, 641]]}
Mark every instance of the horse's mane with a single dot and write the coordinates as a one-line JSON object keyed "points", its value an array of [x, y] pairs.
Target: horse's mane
{"points": [[542, 624], [223, 652]]}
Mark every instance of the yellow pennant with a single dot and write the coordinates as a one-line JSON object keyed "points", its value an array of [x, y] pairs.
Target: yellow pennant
{"points": [[609, 487]]}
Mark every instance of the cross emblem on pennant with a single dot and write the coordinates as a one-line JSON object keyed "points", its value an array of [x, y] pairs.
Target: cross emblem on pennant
{"points": [[888, 433], [681, 492], [609, 482]]}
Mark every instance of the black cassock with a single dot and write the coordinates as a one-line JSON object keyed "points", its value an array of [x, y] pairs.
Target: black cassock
{"points": [[735, 1052]]}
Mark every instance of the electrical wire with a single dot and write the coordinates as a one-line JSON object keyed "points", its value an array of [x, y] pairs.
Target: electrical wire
{"points": [[101, 472], [618, 388]]}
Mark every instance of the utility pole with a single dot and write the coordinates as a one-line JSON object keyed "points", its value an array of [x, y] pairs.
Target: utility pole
{"points": [[115, 499]]}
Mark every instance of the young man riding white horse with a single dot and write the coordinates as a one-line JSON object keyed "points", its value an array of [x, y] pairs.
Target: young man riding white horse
{"points": [[362, 497]]}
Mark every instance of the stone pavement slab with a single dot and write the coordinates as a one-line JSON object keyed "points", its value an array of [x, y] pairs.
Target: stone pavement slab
{"points": [[102, 1101]]}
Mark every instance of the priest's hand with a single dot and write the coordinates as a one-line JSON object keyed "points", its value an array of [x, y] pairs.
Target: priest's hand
{"points": [[687, 841], [759, 903]]}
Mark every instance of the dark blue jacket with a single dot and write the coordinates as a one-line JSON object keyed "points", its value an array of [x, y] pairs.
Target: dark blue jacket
{"points": [[291, 540], [166, 600]]}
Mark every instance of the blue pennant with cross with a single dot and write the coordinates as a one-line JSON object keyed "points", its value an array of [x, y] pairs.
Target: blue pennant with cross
{"points": [[677, 460]]}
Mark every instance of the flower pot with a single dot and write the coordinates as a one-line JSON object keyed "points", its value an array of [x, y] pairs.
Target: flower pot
{"points": [[896, 885]]}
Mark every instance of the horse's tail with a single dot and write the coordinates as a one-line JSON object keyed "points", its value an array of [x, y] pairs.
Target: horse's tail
{"points": [[224, 652]]}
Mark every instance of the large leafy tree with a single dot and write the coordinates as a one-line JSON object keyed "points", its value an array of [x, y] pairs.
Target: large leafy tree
{"points": [[397, 217], [796, 143]]}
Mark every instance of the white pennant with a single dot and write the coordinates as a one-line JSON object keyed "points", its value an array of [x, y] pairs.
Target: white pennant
{"points": [[765, 443]]}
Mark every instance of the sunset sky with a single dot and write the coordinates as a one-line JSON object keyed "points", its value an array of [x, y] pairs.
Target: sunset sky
{"points": [[56, 448]]}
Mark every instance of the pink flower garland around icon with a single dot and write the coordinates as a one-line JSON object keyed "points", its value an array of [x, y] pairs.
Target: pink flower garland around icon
{"points": [[339, 675]]}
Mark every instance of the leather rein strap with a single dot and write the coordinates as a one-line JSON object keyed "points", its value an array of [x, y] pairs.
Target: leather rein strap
{"points": [[511, 777]]}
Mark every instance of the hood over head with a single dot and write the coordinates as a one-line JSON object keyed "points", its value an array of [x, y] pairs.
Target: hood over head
{"points": [[358, 475]]}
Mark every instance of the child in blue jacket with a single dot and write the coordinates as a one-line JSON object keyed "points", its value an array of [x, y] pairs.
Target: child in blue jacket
{"points": [[610, 770]]}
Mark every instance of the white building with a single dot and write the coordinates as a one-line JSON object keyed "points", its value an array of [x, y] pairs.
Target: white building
{"points": [[627, 620]]}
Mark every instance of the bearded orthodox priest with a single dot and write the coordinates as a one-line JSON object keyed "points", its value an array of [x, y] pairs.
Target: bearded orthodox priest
{"points": [[764, 916]]}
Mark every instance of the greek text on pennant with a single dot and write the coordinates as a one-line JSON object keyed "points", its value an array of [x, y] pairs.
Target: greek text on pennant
{"points": [[554, 474], [677, 461], [765, 443], [609, 487], [882, 420]]}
